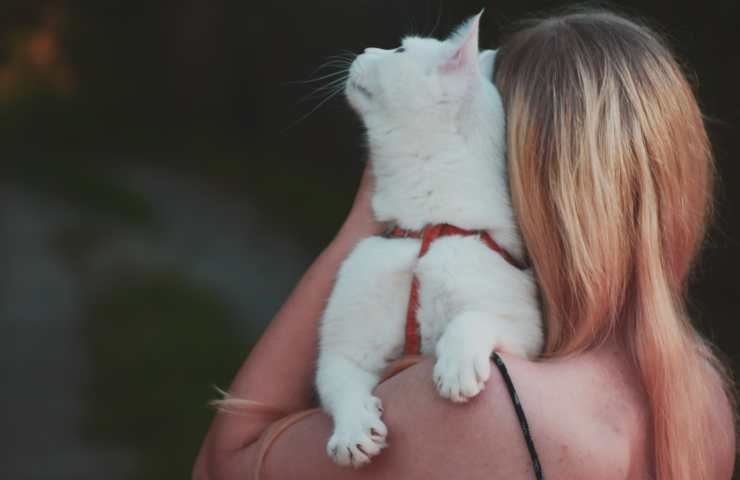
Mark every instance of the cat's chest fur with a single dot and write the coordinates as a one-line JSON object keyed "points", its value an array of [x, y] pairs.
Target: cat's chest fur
{"points": [[456, 273], [435, 177]]}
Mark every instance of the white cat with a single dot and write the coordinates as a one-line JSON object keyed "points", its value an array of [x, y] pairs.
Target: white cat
{"points": [[435, 126]]}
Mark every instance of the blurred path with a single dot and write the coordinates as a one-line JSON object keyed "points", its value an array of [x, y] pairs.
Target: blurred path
{"points": [[214, 239]]}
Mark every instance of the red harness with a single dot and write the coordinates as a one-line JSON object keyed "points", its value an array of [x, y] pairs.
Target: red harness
{"points": [[428, 234]]}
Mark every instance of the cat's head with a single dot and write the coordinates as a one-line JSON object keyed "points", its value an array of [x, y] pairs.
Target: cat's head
{"points": [[424, 78]]}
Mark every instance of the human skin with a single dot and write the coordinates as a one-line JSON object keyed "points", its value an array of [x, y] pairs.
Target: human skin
{"points": [[587, 413]]}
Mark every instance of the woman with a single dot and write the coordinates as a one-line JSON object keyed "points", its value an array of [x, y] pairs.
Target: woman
{"points": [[610, 174]]}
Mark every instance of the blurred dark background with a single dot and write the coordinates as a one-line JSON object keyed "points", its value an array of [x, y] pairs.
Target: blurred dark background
{"points": [[161, 193]]}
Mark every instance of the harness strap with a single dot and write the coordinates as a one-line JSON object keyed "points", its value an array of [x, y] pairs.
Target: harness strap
{"points": [[412, 344]]}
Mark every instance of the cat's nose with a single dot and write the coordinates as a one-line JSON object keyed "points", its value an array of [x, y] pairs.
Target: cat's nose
{"points": [[374, 50]]}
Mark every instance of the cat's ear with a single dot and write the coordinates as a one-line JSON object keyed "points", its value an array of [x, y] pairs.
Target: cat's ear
{"points": [[465, 38], [486, 59]]}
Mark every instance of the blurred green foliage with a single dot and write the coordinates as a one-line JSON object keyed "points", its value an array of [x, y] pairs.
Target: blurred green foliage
{"points": [[160, 344]]}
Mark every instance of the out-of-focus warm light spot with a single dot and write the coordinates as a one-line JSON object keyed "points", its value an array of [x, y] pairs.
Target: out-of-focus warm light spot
{"points": [[36, 61], [42, 49]]}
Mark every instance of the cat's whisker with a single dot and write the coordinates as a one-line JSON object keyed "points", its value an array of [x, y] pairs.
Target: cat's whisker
{"points": [[343, 64], [337, 78], [344, 57], [322, 103], [343, 53], [334, 61], [334, 58], [327, 83], [337, 83], [329, 92], [411, 22], [436, 23], [342, 68], [348, 52], [318, 79], [320, 95]]}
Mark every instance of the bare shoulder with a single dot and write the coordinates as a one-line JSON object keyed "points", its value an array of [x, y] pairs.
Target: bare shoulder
{"points": [[587, 420], [588, 415]]}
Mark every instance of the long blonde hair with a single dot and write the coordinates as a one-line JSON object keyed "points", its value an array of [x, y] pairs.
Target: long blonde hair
{"points": [[611, 177]]}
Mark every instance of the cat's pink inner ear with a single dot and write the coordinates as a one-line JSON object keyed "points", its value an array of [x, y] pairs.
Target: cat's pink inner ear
{"points": [[466, 54]]}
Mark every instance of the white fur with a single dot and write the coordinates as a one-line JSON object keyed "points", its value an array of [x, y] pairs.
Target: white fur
{"points": [[435, 126]]}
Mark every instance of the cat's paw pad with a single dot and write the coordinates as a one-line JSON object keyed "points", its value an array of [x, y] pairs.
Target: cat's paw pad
{"points": [[358, 437], [460, 373]]}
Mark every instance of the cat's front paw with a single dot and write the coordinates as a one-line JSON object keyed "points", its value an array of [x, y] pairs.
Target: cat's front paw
{"points": [[359, 436], [461, 369]]}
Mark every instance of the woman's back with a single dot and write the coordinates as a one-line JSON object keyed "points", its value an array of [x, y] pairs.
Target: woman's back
{"points": [[592, 416], [593, 412]]}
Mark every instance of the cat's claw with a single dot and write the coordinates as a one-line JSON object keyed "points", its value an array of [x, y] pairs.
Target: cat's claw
{"points": [[359, 437]]}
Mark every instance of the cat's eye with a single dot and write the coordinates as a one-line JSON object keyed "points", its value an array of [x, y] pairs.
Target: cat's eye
{"points": [[399, 50]]}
